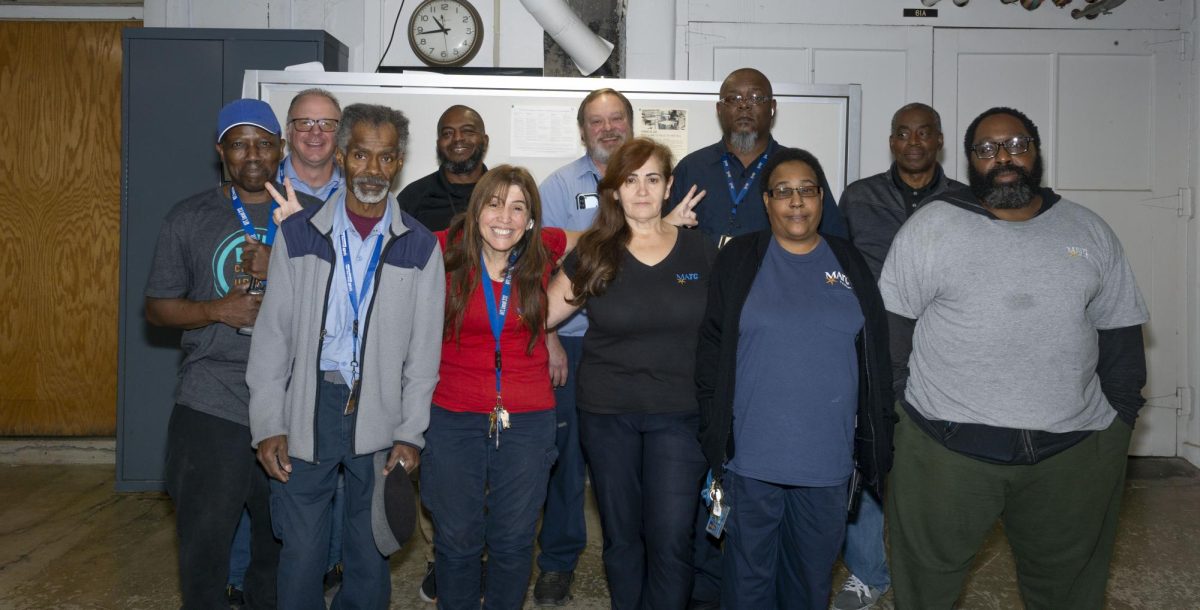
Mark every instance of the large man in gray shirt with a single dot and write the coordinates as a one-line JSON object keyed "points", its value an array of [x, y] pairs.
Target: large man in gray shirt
{"points": [[1023, 382]]}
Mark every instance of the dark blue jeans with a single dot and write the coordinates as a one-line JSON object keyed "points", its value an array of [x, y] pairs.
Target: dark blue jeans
{"points": [[484, 496], [301, 509], [781, 544], [211, 475], [647, 470], [564, 533]]}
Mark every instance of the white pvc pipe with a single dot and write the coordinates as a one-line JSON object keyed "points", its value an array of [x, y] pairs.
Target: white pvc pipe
{"points": [[588, 50]]}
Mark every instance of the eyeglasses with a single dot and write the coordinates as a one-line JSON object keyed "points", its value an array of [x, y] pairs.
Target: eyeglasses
{"points": [[738, 100], [1016, 146], [326, 125], [784, 193]]}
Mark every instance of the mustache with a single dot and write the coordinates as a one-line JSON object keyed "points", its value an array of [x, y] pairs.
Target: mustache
{"points": [[370, 181]]}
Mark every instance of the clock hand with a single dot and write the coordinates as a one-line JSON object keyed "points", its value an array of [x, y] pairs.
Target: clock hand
{"points": [[440, 25]]}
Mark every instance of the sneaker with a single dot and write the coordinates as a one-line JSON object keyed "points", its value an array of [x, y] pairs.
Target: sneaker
{"points": [[428, 590], [234, 595], [553, 588], [856, 595], [333, 577]]}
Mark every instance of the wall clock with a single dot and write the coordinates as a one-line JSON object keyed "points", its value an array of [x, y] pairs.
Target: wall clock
{"points": [[445, 33]]}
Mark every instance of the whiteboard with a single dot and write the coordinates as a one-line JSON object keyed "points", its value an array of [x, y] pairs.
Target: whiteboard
{"points": [[824, 119]]}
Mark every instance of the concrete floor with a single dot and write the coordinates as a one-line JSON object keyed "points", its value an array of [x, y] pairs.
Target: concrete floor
{"points": [[67, 541]]}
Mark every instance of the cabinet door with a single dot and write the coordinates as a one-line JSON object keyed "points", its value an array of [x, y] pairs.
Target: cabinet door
{"points": [[1108, 105], [891, 64]]}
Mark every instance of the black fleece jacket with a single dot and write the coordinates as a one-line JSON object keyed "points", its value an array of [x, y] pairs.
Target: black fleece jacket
{"points": [[732, 276]]}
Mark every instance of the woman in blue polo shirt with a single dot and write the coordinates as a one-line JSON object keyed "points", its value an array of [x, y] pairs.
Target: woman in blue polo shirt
{"points": [[792, 355]]}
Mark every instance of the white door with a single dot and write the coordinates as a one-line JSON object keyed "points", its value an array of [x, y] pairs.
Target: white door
{"points": [[891, 63], [1109, 108]]}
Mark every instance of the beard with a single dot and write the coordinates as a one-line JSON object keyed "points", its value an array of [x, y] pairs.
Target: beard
{"points": [[363, 196], [743, 141], [465, 166], [1013, 196], [598, 152]]}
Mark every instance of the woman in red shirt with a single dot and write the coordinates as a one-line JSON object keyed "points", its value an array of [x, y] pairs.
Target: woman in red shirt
{"points": [[490, 442]]}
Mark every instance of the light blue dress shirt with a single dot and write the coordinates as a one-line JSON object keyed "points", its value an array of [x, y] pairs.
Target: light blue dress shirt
{"points": [[337, 349], [322, 193], [560, 209]]}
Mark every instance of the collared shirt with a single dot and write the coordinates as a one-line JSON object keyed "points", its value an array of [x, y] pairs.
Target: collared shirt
{"points": [[913, 197], [561, 208], [337, 349], [323, 192], [704, 169]]}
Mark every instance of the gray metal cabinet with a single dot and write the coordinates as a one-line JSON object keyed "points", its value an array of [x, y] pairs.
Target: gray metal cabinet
{"points": [[175, 82]]}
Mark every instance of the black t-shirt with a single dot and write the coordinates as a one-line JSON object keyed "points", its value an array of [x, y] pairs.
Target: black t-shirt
{"points": [[433, 201], [639, 353]]}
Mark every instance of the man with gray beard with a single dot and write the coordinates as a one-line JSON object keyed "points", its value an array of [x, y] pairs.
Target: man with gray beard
{"points": [[1019, 362], [343, 362], [730, 170], [462, 142]]}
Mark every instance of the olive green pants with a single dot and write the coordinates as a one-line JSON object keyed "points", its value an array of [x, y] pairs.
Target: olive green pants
{"points": [[1060, 517]]}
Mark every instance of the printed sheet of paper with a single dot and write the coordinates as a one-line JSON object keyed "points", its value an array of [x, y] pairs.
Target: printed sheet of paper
{"points": [[666, 126], [544, 131]]}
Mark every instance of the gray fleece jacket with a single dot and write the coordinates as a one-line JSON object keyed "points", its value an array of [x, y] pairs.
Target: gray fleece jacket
{"points": [[402, 335]]}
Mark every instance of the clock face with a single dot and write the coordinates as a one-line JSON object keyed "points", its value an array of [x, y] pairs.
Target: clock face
{"points": [[445, 32]]}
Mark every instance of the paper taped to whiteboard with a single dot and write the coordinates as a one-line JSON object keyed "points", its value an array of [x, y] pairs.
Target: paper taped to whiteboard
{"points": [[544, 131]]}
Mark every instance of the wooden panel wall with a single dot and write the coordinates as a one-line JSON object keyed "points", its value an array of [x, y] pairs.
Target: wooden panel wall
{"points": [[60, 206]]}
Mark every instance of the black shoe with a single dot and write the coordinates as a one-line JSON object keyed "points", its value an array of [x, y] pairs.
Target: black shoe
{"points": [[428, 590], [553, 588], [234, 595], [333, 577]]}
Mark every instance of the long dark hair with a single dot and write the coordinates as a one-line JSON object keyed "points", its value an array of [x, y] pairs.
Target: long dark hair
{"points": [[464, 243], [601, 248]]}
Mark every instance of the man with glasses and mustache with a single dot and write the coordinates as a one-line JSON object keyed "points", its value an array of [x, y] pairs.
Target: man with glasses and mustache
{"points": [[730, 171], [462, 142], [312, 119], [1017, 346], [569, 201]]}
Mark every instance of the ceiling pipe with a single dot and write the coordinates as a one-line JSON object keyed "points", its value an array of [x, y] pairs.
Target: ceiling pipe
{"points": [[588, 50]]}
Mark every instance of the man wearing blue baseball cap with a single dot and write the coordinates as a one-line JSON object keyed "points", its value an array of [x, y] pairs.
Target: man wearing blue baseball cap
{"points": [[210, 247]]}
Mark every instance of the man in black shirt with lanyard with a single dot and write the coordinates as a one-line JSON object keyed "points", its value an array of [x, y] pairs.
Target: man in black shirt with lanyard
{"points": [[461, 144]]}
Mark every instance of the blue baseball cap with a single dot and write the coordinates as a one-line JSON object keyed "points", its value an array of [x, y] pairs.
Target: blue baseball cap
{"points": [[247, 112]]}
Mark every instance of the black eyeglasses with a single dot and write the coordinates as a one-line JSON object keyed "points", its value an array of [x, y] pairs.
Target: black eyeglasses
{"points": [[325, 125], [784, 193], [738, 100], [1016, 146]]}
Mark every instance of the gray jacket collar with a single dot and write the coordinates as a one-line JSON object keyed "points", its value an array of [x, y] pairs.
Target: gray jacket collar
{"points": [[323, 219]]}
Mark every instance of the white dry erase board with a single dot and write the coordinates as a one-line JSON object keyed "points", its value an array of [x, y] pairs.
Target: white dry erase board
{"points": [[531, 120]]}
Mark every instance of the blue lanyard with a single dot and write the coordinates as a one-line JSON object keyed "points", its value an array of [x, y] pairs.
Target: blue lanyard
{"points": [[496, 314], [247, 226], [738, 196], [357, 297]]}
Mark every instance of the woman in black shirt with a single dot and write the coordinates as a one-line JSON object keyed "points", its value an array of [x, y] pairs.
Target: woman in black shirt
{"points": [[645, 284]]}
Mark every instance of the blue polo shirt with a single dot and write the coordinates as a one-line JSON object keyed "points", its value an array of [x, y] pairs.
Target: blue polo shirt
{"points": [[704, 169], [322, 193], [560, 209]]}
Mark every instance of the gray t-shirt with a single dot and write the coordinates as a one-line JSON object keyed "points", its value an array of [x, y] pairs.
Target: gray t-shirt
{"points": [[1007, 314], [197, 259]]}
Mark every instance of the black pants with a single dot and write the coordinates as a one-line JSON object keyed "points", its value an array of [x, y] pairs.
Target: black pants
{"points": [[211, 475]]}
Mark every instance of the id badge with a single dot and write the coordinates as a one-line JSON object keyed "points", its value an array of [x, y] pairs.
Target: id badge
{"points": [[724, 239], [716, 519], [587, 201], [352, 400]]}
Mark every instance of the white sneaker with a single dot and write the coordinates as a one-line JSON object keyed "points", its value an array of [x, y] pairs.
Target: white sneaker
{"points": [[856, 595]]}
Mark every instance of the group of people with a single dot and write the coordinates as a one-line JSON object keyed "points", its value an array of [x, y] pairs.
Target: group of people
{"points": [[740, 362]]}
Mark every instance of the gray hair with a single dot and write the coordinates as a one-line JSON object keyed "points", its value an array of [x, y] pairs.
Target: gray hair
{"points": [[937, 118], [313, 91], [372, 114]]}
